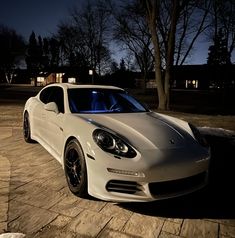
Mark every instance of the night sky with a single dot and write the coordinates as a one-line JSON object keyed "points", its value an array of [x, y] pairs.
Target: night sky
{"points": [[40, 16], [43, 16]]}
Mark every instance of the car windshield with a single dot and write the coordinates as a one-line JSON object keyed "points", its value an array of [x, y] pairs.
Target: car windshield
{"points": [[86, 100]]}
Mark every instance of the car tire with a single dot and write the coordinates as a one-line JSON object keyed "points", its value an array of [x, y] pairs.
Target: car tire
{"points": [[26, 128], [75, 169]]}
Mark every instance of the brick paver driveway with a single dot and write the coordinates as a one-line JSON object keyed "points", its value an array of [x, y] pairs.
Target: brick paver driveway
{"points": [[35, 200]]}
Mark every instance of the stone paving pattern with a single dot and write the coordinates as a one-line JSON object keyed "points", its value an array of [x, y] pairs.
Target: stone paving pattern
{"points": [[35, 200]]}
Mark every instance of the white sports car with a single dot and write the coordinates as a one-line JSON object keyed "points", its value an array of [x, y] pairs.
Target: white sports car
{"points": [[114, 148]]}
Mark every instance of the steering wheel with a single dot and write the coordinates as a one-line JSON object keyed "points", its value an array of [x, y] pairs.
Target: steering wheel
{"points": [[115, 107]]}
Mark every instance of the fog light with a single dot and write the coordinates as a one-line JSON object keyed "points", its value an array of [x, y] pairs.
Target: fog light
{"points": [[126, 172]]}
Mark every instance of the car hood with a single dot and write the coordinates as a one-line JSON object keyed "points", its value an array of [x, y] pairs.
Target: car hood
{"points": [[142, 130]]}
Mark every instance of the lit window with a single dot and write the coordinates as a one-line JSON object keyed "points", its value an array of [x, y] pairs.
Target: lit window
{"points": [[40, 79], [191, 84], [71, 80]]}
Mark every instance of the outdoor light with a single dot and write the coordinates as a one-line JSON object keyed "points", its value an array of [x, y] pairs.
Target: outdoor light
{"points": [[92, 75]]}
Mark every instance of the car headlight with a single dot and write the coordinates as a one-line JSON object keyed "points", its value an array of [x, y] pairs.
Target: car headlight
{"points": [[113, 144], [198, 136]]}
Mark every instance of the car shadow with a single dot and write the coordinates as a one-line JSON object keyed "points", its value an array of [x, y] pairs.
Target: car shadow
{"points": [[216, 201]]}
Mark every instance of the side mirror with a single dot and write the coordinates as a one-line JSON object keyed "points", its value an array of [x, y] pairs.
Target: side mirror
{"points": [[52, 107]]}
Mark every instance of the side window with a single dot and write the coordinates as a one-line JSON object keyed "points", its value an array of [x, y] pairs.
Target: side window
{"points": [[53, 94], [57, 96], [45, 94]]}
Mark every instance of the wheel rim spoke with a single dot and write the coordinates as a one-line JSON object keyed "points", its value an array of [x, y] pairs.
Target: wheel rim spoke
{"points": [[26, 127], [73, 167]]}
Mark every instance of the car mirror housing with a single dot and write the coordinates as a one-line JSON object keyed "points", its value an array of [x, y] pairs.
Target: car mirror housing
{"points": [[52, 107]]}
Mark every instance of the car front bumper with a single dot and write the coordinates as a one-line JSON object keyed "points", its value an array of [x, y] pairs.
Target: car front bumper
{"points": [[147, 178]]}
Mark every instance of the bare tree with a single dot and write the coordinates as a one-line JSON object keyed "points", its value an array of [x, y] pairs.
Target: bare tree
{"points": [[174, 31], [76, 52], [131, 31], [154, 11], [223, 19], [85, 38], [72, 52], [193, 22], [12, 48]]}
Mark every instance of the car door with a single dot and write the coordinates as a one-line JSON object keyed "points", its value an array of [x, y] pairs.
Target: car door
{"points": [[39, 113], [54, 122]]}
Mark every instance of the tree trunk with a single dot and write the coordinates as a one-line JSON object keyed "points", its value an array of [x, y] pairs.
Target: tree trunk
{"points": [[163, 82], [158, 73], [170, 52], [167, 88], [157, 55]]}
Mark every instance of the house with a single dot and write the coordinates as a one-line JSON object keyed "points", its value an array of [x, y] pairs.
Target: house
{"points": [[61, 74], [203, 76], [45, 78], [195, 77]]}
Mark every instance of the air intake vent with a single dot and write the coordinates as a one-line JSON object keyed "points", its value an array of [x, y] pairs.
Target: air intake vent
{"points": [[120, 186], [177, 186]]}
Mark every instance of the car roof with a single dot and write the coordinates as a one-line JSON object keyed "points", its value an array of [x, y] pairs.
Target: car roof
{"points": [[69, 85]]}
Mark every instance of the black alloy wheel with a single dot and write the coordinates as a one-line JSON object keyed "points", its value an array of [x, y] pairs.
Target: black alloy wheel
{"points": [[75, 169], [26, 129]]}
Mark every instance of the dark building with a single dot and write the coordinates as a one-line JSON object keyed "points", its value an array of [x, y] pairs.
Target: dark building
{"points": [[203, 76]]}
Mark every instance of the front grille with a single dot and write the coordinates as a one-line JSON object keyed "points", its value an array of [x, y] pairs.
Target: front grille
{"points": [[177, 186], [120, 186]]}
